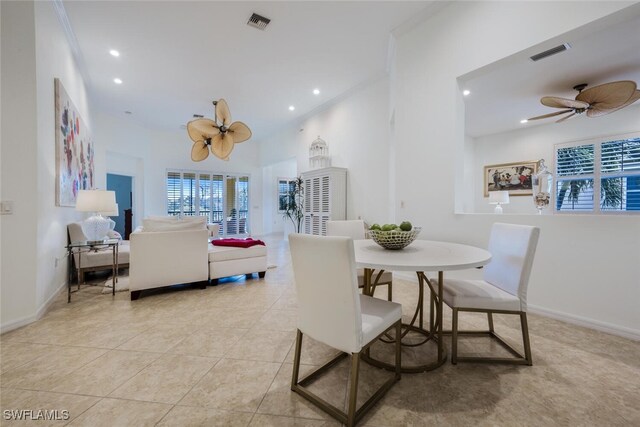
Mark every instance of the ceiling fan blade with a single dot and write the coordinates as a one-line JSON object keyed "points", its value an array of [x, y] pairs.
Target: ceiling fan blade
{"points": [[608, 96], [596, 112], [557, 113], [222, 145], [200, 151], [222, 112], [565, 118], [201, 129], [556, 102], [239, 131]]}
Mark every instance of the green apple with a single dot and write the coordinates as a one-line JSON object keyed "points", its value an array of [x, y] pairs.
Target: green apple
{"points": [[406, 226]]}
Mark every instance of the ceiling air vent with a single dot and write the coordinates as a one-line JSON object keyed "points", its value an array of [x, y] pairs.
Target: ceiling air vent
{"points": [[552, 51], [259, 22]]}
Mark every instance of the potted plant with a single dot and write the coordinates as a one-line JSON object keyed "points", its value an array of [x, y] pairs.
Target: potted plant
{"points": [[294, 204]]}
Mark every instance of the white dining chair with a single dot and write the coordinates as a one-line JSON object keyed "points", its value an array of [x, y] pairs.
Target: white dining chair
{"points": [[503, 290], [356, 230], [332, 311]]}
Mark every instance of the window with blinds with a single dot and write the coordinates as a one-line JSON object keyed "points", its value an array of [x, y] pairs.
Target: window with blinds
{"points": [[285, 187], [601, 176], [194, 193]]}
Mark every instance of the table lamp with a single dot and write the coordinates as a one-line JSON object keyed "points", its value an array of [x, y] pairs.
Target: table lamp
{"points": [[108, 214], [498, 198], [95, 227]]}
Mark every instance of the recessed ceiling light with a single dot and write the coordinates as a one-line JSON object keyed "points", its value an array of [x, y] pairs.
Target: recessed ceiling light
{"points": [[117, 81], [114, 52], [524, 121], [316, 91], [466, 92], [291, 108]]}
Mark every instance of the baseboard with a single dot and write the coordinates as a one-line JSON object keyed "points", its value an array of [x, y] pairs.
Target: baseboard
{"points": [[18, 323], [597, 325], [23, 321], [45, 306]]}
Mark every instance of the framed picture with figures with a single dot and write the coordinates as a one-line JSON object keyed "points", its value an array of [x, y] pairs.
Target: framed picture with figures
{"points": [[516, 178]]}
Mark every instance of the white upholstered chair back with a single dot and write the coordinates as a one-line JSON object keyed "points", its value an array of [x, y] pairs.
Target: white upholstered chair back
{"points": [[75, 232], [327, 288], [512, 250], [349, 228]]}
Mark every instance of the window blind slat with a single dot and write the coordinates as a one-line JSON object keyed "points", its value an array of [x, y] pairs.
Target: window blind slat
{"points": [[577, 160]]}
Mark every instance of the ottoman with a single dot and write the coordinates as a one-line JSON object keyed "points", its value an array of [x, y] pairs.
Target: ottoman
{"points": [[225, 261]]}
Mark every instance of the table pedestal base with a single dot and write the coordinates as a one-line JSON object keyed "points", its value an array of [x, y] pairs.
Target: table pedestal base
{"points": [[416, 325]]}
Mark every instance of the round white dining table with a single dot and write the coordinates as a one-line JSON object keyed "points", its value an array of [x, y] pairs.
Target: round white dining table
{"points": [[420, 256]]}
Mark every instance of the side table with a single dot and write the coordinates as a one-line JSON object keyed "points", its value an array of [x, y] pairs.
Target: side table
{"points": [[89, 246]]}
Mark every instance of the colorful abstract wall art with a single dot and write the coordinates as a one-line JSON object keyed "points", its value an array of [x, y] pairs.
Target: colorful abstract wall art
{"points": [[74, 150]]}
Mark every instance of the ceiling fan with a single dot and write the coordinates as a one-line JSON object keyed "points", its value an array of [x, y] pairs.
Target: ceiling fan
{"points": [[219, 134], [596, 101]]}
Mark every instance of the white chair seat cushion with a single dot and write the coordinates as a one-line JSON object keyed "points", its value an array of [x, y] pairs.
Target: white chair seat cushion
{"points": [[377, 316], [227, 253], [385, 278], [478, 294]]}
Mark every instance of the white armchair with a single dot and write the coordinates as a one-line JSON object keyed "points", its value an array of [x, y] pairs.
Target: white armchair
{"points": [[331, 310], [503, 290], [95, 260], [356, 230]]}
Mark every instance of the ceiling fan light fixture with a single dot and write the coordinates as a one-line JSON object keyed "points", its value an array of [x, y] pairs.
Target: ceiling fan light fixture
{"points": [[595, 101], [218, 135]]}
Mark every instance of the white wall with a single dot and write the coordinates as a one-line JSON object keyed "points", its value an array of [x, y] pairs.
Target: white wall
{"points": [[131, 147], [34, 52], [587, 267], [19, 145], [54, 59], [272, 220], [124, 145], [538, 142], [356, 130]]}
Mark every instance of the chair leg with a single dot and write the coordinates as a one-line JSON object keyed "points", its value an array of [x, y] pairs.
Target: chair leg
{"points": [[353, 389], [454, 337], [296, 360], [389, 292], [398, 349], [490, 319], [525, 338]]}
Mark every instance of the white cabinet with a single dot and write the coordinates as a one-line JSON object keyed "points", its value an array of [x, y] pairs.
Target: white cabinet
{"points": [[325, 198]]}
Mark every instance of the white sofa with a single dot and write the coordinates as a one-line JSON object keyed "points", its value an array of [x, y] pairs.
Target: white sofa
{"points": [[225, 261], [168, 251]]}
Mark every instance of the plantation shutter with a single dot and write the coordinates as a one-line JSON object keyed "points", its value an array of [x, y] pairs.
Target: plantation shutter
{"points": [[620, 175], [173, 193], [575, 172]]}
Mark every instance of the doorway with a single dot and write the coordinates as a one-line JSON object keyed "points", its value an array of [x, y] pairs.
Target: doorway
{"points": [[123, 187]]}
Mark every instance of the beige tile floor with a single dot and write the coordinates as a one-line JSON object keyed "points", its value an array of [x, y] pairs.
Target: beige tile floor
{"points": [[223, 357]]}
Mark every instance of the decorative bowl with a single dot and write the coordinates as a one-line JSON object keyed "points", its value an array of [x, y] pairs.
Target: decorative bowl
{"points": [[394, 239]]}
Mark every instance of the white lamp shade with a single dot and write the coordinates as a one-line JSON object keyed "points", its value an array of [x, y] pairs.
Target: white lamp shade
{"points": [[96, 201], [498, 197], [111, 213]]}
